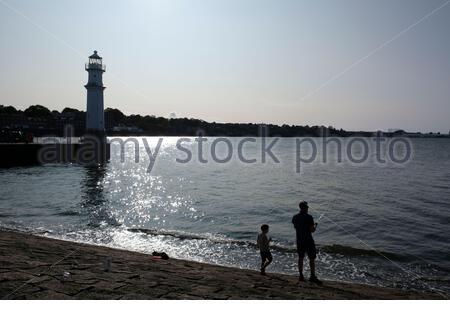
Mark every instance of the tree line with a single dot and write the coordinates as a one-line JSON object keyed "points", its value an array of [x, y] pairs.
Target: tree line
{"points": [[117, 123]]}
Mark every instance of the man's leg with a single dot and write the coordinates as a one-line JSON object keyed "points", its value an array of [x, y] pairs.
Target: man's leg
{"points": [[300, 266], [312, 254], [312, 266]]}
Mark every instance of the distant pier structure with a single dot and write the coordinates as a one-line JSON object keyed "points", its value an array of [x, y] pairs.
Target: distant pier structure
{"points": [[95, 116]]}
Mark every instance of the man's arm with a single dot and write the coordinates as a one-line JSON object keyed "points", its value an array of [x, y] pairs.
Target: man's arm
{"points": [[312, 226]]}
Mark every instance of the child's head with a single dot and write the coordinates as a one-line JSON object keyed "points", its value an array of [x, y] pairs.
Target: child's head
{"points": [[265, 228]]}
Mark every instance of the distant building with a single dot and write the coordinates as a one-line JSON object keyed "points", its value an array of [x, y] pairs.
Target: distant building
{"points": [[76, 119], [24, 123], [14, 121], [392, 130], [126, 129]]}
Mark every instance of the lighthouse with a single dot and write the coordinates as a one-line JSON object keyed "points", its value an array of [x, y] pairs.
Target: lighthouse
{"points": [[95, 119]]}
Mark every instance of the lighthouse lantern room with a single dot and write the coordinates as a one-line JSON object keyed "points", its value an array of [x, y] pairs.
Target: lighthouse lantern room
{"points": [[95, 120]]}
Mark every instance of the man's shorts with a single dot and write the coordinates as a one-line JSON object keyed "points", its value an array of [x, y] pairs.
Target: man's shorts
{"points": [[310, 250], [266, 255]]}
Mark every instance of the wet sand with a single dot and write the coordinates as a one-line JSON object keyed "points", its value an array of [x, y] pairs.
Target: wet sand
{"points": [[33, 267]]}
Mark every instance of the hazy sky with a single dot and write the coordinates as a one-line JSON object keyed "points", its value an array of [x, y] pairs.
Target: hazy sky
{"points": [[294, 62]]}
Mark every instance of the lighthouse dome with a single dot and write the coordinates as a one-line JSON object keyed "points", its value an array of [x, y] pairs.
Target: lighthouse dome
{"points": [[95, 56]]}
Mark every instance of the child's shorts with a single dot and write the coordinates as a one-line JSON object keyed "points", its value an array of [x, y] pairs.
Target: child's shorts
{"points": [[266, 255]]}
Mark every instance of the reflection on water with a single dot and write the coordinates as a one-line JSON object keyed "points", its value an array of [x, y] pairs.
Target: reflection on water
{"points": [[92, 186], [93, 196]]}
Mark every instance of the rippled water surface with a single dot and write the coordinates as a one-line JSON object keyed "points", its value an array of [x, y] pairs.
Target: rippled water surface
{"points": [[378, 224]]}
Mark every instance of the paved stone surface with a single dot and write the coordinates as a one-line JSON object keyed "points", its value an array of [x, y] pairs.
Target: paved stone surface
{"points": [[33, 267]]}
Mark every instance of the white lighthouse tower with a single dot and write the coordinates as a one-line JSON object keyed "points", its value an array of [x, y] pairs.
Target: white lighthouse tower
{"points": [[95, 119]]}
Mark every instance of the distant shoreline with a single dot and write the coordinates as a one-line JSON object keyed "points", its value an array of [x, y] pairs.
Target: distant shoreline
{"points": [[312, 136], [40, 121], [34, 267]]}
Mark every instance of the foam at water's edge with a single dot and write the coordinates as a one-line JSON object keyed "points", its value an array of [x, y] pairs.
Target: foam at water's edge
{"points": [[333, 248]]}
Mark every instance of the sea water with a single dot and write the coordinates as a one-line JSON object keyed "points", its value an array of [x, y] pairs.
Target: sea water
{"points": [[378, 223]]}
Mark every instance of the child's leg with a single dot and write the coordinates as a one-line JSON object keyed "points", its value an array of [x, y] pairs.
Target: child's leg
{"points": [[268, 260], [263, 265]]}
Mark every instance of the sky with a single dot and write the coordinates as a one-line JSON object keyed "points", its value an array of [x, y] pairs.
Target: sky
{"points": [[352, 64]]}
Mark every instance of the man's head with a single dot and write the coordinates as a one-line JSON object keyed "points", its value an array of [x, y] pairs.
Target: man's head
{"points": [[303, 205], [265, 228]]}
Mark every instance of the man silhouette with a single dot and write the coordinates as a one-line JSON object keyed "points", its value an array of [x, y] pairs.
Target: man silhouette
{"points": [[304, 227]]}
